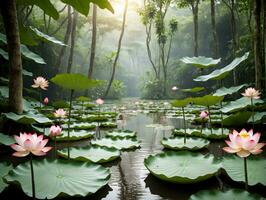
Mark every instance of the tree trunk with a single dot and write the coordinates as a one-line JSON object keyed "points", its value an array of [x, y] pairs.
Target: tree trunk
{"points": [[72, 45], [66, 39], [9, 14], [118, 49], [93, 40], [214, 32], [195, 21], [257, 45]]}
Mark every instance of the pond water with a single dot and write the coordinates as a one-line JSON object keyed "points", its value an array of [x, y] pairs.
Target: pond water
{"points": [[130, 180]]}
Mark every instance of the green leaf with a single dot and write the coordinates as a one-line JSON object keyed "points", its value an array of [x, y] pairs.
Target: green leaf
{"points": [[195, 89], [121, 144], [121, 134], [6, 139], [31, 55], [232, 194], [237, 119], [4, 91], [27, 118], [27, 36], [258, 116], [83, 99], [83, 6], [206, 133], [5, 168], [80, 126], [222, 73], [192, 143], [46, 37], [182, 166], [234, 167], [182, 102], [59, 178], [74, 135], [45, 5], [94, 154], [74, 81], [207, 100], [200, 61], [239, 104], [26, 73], [4, 54], [225, 91]]}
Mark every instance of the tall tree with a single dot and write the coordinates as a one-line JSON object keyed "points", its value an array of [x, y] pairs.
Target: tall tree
{"points": [[93, 40], [72, 45], [214, 31], [9, 14], [118, 49]]}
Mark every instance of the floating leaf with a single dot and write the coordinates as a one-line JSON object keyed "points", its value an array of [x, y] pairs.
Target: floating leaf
{"points": [[200, 61], [182, 102], [206, 133], [121, 144], [207, 100], [195, 89], [94, 154], [28, 118], [258, 116], [5, 168], [74, 81], [80, 126], [59, 177], [237, 119], [4, 54], [234, 167], [121, 133], [222, 73], [239, 104], [6, 139], [192, 143], [83, 99], [232, 194], [75, 135], [225, 91], [182, 166]]}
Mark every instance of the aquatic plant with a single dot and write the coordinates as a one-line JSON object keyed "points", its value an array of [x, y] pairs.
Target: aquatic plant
{"points": [[55, 131], [42, 84]]}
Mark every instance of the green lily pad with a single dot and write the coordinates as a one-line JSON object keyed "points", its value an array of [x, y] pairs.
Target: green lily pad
{"points": [[121, 134], [182, 166], [222, 73], [192, 143], [6, 139], [237, 119], [74, 81], [94, 154], [195, 89], [232, 194], [239, 104], [59, 178], [80, 126], [225, 91], [206, 133], [107, 125], [121, 144], [28, 118], [200, 61], [5, 168], [234, 167], [74, 135], [258, 116], [182, 102], [207, 100]]}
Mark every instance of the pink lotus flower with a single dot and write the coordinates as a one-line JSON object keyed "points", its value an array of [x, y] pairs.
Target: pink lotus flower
{"points": [[46, 100], [55, 131], [30, 143], [204, 115], [252, 93], [99, 101], [244, 143], [40, 82], [60, 113], [174, 88]]}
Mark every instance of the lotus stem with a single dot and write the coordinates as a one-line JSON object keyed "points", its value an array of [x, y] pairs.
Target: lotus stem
{"points": [[32, 178], [222, 124], [184, 120], [210, 119], [55, 149], [201, 128], [82, 107], [68, 127], [252, 107], [99, 131], [40, 94], [246, 173]]}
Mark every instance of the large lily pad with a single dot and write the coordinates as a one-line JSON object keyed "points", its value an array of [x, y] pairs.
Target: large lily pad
{"points": [[182, 102], [207, 100], [239, 104], [237, 119], [195, 89], [59, 177], [234, 167], [200, 61], [225, 91], [94, 154], [6, 139], [258, 116], [121, 134], [222, 73], [121, 144], [192, 143], [80, 126], [206, 133], [5, 168], [74, 81], [27, 118], [182, 166], [232, 194]]}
